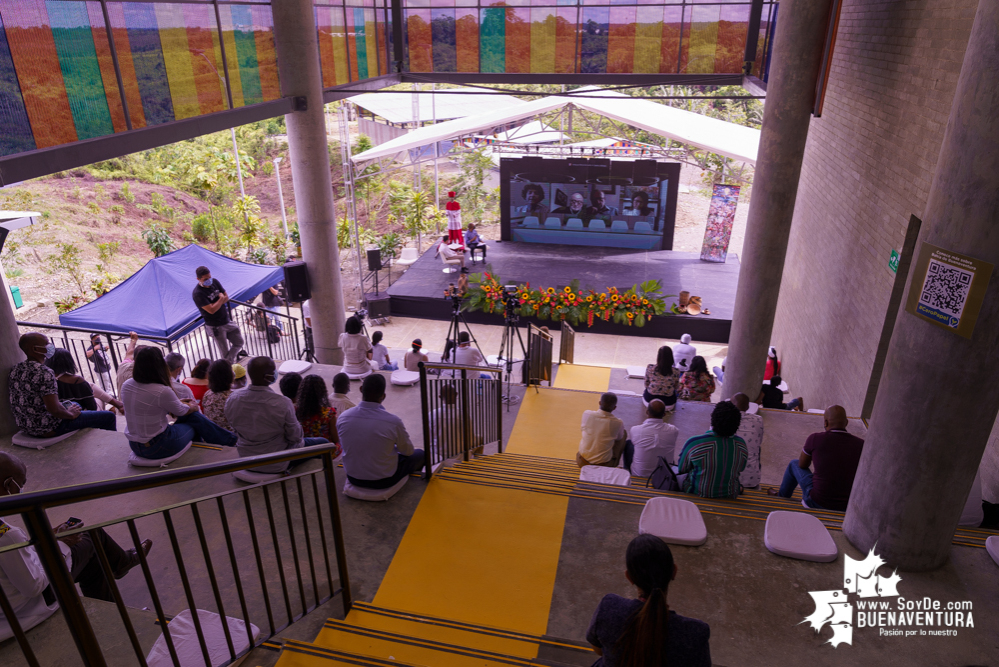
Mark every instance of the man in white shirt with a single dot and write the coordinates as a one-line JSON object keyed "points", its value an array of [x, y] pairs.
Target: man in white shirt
{"points": [[750, 430], [21, 573], [377, 449], [603, 435], [684, 353], [444, 248], [650, 440], [264, 420]]}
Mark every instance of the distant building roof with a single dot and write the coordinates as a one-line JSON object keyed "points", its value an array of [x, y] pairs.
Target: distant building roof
{"points": [[397, 107]]}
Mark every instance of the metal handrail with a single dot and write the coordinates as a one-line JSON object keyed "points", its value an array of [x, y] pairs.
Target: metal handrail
{"points": [[59, 327], [32, 508]]}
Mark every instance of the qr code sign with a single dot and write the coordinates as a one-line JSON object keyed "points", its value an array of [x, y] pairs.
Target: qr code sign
{"points": [[945, 289]]}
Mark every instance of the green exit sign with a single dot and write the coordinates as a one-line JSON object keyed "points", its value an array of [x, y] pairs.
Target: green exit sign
{"points": [[893, 261]]}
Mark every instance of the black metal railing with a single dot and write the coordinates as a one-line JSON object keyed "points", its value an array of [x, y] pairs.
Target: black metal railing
{"points": [[539, 356], [196, 344], [266, 528], [462, 410], [568, 344]]}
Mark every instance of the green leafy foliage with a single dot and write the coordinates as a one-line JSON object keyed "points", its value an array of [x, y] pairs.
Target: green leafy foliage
{"points": [[158, 240], [69, 263]]}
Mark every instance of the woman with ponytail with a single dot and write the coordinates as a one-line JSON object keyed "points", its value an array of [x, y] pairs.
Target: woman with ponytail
{"points": [[645, 632]]}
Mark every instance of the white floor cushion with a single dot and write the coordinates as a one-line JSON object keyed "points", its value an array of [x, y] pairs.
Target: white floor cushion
{"points": [[22, 439], [294, 366], [636, 371], [992, 546], [139, 462], [361, 493], [404, 378], [185, 640], [251, 477], [799, 535], [359, 376], [605, 475], [674, 520]]}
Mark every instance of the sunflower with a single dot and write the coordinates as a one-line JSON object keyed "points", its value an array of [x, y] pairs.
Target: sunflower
{"points": [[589, 298], [631, 316], [645, 302], [567, 290], [571, 296], [550, 290], [614, 297]]}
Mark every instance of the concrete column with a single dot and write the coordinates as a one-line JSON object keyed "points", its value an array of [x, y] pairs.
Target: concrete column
{"points": [[797, 57], [938, 397], [10, 354], [295, 40]]}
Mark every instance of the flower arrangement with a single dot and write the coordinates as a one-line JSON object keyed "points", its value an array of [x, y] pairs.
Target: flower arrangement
{"points": [[629, 307]]}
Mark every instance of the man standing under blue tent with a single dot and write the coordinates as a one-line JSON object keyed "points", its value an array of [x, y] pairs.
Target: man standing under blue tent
{"points": [[211, 299]]}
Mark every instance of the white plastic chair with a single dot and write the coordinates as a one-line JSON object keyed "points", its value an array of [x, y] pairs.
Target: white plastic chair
{"points": [[643, 227], [409, 256], [553, 223], [449, 264], [531, 221], [574, 223], [619, 226], [597, 226]]}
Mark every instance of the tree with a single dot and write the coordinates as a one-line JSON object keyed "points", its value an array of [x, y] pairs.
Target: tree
{"points": [[475, 199], [158, 240]]}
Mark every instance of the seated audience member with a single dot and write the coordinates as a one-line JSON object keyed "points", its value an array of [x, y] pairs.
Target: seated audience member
{"points": [[467, 355], [751, 432], [650, 440], [645, 631], [661, 379], [772, 397], [220, 379], [719, 371], [444, 248], [411, 362], [356, 348], [72, 387], [317, 417], [836, 455], [684, 353], [714, 461], [125, 367], [198, 382], [21, 573], [473, 240], [446, 424], [238, 376], [380, 355], [377, 450], [341, 388], [175, 363], [34, 396], [773, 364], [149, 401], [697, 384], [264, 420], [604, 436], [289, 385]]}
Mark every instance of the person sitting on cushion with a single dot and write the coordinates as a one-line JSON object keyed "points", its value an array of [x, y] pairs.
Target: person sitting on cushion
{"points": [[175, 362], [697, 384], [356, 348], [317, 417], [714, 461], [772, 397], [72, 387], [411, 361], [289, 385], [661, 379], [650, 440], [380, 355], [149, 400], [377, 449], [340, 400], [604, 436], [34, 396], [198, 382], [220, 379], [264, 420], [626, 632], [835, 455], [684, 353]]}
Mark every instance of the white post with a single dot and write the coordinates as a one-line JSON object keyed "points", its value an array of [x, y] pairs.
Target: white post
{"points": [[239, 173], [277, 174], [437, 181]]}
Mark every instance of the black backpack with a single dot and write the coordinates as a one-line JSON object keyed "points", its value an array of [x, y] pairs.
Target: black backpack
{"points": [[273, 334], [663, 478]]}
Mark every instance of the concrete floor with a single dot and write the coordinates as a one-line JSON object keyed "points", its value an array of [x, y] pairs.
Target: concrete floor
{"points": [[753, 599]]}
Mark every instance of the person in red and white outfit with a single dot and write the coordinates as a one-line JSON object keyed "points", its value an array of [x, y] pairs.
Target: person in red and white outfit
{"points": [[453, 211]]}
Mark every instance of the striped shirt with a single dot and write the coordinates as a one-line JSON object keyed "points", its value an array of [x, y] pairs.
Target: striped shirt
{"points": [[712, 465]]}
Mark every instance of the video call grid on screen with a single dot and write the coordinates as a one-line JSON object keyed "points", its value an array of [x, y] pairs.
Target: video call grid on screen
{"points": [[596, 202]]}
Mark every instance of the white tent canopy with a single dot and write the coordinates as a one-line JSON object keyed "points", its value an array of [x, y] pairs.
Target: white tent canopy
{"points": [[397, 107], [716, 136]]}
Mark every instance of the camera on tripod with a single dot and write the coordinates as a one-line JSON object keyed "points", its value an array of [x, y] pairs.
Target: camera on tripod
{"points": [[452, 292], [512, 301]]}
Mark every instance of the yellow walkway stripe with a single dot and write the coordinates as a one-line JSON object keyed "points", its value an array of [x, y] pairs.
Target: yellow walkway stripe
{"points": [[585, 378], [548, 423]]}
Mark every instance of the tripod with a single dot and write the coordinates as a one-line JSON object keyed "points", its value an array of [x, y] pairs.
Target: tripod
{"points": [[511, 328], [309, 352], [457, 320]]}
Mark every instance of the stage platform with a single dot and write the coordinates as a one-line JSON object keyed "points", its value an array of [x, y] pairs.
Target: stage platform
{"points": [[420, 291]]}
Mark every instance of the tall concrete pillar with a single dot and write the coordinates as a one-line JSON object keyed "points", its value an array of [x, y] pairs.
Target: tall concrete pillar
{"points": [[295, 40], [938, 397], [10, 354], [797, 57]]}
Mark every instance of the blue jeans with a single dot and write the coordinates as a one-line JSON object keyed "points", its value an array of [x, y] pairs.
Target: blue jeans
{"points": [[101, 419], [795, 476], [407, 464], [389, 367], [276, 321], [792, 405], [629, 455], [188, 428]]}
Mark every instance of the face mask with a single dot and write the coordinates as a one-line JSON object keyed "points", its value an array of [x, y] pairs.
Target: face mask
{"points": [[206, 283], [49, 350], [270, 377]]}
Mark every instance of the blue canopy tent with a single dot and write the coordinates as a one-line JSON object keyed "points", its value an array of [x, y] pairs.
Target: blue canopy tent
{"points": [[156, 300]]}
